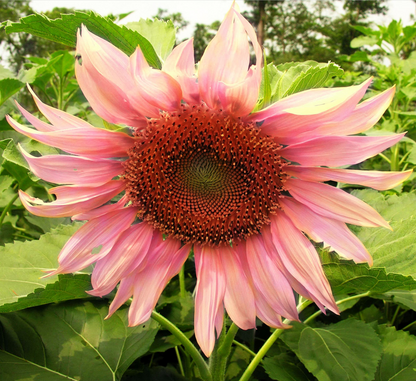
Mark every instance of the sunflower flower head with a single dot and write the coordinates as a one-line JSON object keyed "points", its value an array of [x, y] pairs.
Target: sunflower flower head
{"points": [[201, 170]]}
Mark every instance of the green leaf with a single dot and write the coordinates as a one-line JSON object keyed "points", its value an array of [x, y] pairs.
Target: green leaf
{"points": [[348, 277], [407, 298], [15, 164], [68, 287], [398, 361], [5, 73], [285, 367], [161, 34], [70, 341], [303, 76], [64, 31], [364, 40], [346, 351], [159, 373], [22, 263], [9, 87], [395, 250]]}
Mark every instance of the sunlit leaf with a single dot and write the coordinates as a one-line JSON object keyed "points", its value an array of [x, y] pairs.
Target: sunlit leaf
{"points": [[64, 31], [346, 351], [70, 341]]}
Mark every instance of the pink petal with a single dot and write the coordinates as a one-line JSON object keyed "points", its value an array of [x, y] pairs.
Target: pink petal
{"points": [[103, 75], [269, 280], [239, 298], [124, 292], [307, 110], [209, 295], [107, 144], [94, 240], [101, 210], [65, 169], [323, 229], [263, 309], [223, 73], [364, 116], [298, 256], [180, 64], [156, 87], [60, 119], [71, 199], [334, 203], [166, 260], [374, 179], [126, 255], [338, 150]]}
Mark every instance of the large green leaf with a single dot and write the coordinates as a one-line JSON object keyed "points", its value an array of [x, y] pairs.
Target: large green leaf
{"points": [[285, 367], [70, 341], [348, 277], [9, 87], [64, 31], [68, 287], [406, 298], [395, 250], [22, 263], [398, 361], [161, 34], [346, 351]]}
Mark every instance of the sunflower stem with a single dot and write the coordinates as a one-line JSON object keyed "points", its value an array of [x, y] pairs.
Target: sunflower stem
{"points": [[189, 347], [6, 209], [258, 358], [219, 357], [182, 285]]}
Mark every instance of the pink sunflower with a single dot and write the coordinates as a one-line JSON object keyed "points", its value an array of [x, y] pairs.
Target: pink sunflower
{"points": [[201, 170]]}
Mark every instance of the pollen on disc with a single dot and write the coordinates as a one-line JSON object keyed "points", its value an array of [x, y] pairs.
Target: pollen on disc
{"points": [[202, 176]]}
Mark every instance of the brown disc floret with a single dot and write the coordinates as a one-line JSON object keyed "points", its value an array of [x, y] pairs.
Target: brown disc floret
{"points": [[202, 176]]}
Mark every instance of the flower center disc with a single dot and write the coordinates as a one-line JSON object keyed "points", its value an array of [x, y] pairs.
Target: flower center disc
{"points": [[202, 176]]}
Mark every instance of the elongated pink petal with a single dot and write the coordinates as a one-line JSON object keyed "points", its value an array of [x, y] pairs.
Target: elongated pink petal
{"points": [[165, 261], [107, 144], [35, 122], [269, 280], [364, 116], [65, 169], [101, 210], [380, 180], [103, 75], [298, 256], [336, 151], [307, 110], [155, 86], [263, 309], [239, 298], [73, 200], [126, 255], [223, 75], [59, 119], [322, 229], [209, 295], [180, 64], [124, 292], [94, 240], [334, 203]]}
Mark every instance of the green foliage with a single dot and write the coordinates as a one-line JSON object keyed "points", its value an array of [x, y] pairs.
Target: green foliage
{"points": [[349, 350], [64, 31], [286, 367], [161, 34], [398, 361], [68, 287], [393, 250], [71, 341], [289, 78], [23, 262]]}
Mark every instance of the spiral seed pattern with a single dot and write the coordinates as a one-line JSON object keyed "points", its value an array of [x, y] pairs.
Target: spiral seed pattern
{"points": [[202, 176]]}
